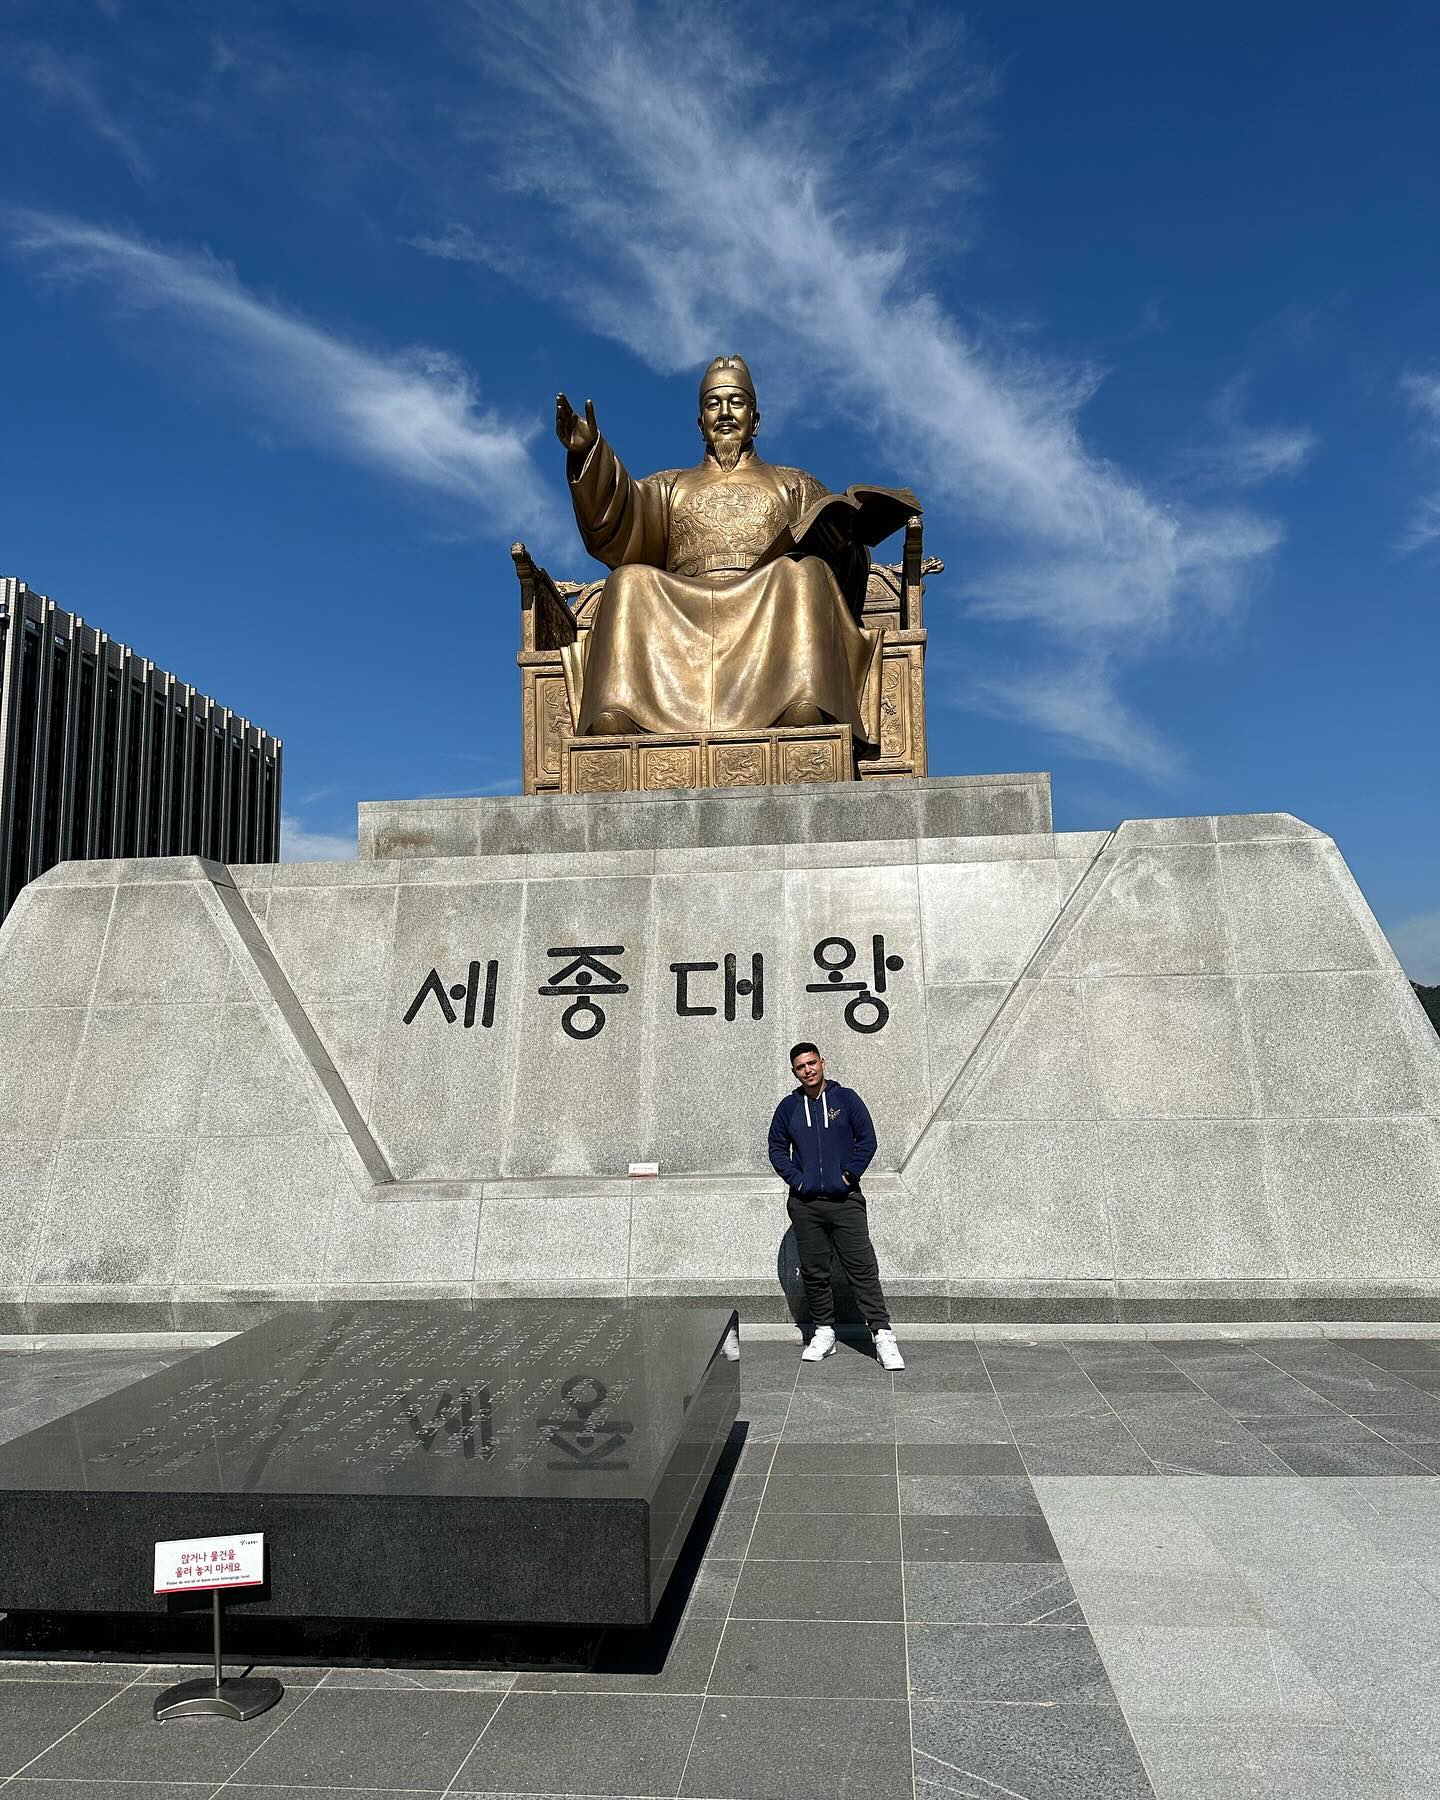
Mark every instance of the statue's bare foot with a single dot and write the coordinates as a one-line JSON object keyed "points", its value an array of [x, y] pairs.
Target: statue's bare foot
{"points": [[802, 713], [613, 723]]}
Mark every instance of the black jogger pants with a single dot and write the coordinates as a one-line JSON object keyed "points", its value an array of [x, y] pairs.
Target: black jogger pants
{"points": [[838, 1222]]}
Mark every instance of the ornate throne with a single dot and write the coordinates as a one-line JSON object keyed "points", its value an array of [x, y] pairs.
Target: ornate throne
{"points": [[555, 761]]}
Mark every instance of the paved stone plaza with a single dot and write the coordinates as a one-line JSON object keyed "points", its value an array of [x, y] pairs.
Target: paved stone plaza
{"points": [[1092, 1567]]}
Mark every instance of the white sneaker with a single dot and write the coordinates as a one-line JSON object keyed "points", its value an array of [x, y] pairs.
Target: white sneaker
{"points": [[888, 1350], [730, 1349], [820, 1346]]}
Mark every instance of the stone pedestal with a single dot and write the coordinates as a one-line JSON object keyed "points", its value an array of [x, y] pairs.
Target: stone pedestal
{"points": [[1167, 1071], [508, 1465]]}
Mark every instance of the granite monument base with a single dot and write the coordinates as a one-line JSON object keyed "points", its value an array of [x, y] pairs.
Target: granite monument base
{"points": [[532, 1465], [1170, 1071]]}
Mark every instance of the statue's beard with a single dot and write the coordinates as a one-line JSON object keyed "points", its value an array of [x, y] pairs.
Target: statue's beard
{"points": [[727, 448]]}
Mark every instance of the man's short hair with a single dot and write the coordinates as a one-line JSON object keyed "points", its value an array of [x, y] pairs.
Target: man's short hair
{"points": [[800, 1049]]}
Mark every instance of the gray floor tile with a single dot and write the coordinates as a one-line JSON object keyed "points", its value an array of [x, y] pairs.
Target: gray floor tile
{"points": [[1259, 1391], [924, 1377], [23, 1788], [958, 1593], [834, 1459], [743, 1493], [949, 1419], [1417, 1437], [1035, 1665], [1043, 1382], [1269, 1760], [1405, 1742], [1212, 1673], [763, 1416], [1345, 1447], [1091, 1354], [841, 1419], [956, 1537], [737, 1517], [1350, 1383], [241, 1790], [755, 1458], [1142, 1381], [124, 1741], [1370, 1636], [827, 1537], [1125, 1600], [1396, 1353], [1285, 1521], [1083, 1447], [714, 1588], [819, 1590], [1035, 1411], [1128, 1526], [959, 1459], [784, 1659], [1000, 1496], [772, 1375], [583, 1744], [1197, 1437], [637, 1668], [812, 1749], [376, 1737], [1015, 1359], [1041, 1752], [830, 1493], [33, 1715]]}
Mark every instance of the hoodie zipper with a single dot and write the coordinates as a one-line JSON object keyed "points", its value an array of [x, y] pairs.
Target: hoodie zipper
{"points": [[825, 1123]]}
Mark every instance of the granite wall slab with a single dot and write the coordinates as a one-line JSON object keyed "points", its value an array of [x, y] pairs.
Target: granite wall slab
{"points": [[1173, 1064]]}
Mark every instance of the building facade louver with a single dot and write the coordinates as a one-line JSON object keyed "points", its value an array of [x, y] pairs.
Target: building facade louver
{"points": [[102, 754]]}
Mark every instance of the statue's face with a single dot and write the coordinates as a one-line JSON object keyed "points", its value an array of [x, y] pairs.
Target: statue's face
{"points": [[729, 418]]}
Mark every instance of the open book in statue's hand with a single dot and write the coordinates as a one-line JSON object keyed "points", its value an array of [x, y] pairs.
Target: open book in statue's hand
{"points": [[863, 516]]}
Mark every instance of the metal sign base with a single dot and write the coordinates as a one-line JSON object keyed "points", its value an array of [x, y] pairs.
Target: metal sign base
{"points": [[217, 1698], [202, 1699]]}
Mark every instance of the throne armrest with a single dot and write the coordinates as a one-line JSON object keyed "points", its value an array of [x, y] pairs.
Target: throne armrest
{"points": [[546, 621]]}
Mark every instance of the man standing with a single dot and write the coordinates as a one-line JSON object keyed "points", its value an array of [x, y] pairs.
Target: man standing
{"points": [[822, 1141]]}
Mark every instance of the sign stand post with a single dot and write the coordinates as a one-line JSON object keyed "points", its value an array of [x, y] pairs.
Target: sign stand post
{"points": [[213, 1563]]}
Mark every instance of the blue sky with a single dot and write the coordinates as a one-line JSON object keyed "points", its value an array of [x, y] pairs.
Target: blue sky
{"points": [[1143, 301]]}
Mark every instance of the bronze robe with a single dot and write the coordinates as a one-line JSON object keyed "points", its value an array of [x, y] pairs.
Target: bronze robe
{"points": [[689, 635]]}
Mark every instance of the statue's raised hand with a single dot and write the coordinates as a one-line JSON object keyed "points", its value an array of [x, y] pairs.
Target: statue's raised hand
{"points": [[575, 433]]}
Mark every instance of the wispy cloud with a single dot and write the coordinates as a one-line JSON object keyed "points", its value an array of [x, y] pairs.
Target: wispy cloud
{"points": [[414, 416], [298, 843], [68, 83], [698, 215], [1423, 392], [1243, 454], [458, 243], [1077, 704]]}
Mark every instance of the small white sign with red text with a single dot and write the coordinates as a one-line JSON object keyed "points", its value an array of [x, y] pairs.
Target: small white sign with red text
{"points": [[195, 1565]]}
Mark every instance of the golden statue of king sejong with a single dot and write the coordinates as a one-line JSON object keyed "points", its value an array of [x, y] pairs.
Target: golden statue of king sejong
{"points": [[734, 602]]}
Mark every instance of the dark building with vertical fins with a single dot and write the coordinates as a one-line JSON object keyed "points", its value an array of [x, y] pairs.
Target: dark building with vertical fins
{"points": [[103, 754]]}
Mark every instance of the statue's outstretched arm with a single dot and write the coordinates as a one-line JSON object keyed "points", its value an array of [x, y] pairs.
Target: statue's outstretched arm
{"points": [[622, 520]]}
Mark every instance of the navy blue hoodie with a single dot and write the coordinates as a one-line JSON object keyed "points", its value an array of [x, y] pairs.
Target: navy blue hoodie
{"points": [[815, 1143]]}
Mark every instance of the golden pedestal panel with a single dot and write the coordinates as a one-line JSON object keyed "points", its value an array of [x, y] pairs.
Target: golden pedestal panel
{"points": [[651, 763]]}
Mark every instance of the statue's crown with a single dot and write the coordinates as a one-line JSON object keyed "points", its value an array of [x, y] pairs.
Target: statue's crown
{"points": [[727, 371]]}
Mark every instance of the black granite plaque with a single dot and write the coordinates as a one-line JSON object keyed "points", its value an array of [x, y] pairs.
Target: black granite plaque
{"points": [[537, 1463]]}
